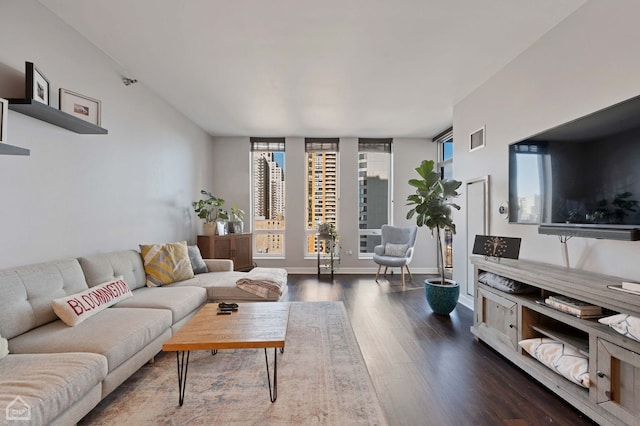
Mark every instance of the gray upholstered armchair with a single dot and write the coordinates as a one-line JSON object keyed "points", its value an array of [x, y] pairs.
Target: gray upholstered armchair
{"points": [[396, 249]]}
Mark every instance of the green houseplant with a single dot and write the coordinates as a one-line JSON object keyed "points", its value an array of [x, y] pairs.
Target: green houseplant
{"points": [[432, 207], [236, 222], [209, 209]]}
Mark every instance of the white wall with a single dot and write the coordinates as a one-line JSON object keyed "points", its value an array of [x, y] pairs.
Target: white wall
{"points": [[231, 171], [589, 61], [81, 194]]}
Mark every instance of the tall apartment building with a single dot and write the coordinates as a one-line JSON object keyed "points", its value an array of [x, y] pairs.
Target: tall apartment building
{"points": [[322, 191], [373, 197], [269, 204], [269, 187]]}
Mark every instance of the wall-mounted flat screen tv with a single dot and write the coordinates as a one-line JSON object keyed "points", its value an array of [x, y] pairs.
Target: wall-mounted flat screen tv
{"points": [[585, 173]]}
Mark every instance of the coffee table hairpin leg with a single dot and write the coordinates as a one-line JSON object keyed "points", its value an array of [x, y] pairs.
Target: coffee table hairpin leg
{"points": [[273, 395], [182, 374]]}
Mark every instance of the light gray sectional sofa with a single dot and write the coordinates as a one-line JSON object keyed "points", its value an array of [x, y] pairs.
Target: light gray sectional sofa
{"points": [[62, 372]]}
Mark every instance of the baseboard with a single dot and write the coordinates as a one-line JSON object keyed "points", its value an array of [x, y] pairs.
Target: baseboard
{"points": [[357, 270]]}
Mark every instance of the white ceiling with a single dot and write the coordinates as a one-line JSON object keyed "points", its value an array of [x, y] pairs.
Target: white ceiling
{"points": [[367, 68]]}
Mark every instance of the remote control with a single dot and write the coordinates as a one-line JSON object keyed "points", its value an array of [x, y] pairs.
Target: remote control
{"points": [[228, 305], [224, 312]]}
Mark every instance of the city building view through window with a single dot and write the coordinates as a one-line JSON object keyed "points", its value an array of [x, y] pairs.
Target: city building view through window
{"points": [[268, 163], [374, 171], [321, 188]]}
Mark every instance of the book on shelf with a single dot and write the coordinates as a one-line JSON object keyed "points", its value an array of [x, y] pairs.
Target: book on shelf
{"points": [[582, 311], [619, 287], [628, 285], [578, 305], [566, 310]]}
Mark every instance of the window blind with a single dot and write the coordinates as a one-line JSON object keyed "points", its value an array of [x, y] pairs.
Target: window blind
{"points": [[267, 144], [321, 144], [446, 136], [374, 145]]}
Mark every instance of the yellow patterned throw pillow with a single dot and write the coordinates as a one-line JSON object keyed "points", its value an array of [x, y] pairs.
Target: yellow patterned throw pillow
{"points": [[166, 263]]}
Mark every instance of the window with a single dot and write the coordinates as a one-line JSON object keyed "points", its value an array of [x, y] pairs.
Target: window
{"points": [[268, 168], [374, 189], [445, 162], [321, 187]]}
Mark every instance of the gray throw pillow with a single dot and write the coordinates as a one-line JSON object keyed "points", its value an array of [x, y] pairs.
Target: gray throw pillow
{"points": [[198, 265], [395, 250]]}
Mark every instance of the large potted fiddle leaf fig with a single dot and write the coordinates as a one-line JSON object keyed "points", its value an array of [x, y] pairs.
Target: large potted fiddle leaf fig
{"points": [[432, 207]]}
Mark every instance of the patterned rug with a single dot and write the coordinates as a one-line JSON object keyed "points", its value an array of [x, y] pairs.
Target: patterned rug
{"points": [[322, 380]]}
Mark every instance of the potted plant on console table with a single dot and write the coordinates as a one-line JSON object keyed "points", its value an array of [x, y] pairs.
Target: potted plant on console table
{"points": [[432, 208], [209, 209], [236, 223]]}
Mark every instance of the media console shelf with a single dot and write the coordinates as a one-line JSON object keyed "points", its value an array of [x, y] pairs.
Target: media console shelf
{"points": [[503, 319], [54, 116]]}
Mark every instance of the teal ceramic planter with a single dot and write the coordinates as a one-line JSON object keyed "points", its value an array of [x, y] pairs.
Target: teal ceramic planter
{"points": [[441, 298]]}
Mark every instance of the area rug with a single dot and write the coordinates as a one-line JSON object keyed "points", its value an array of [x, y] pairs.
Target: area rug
{"points": [[322, 380]]}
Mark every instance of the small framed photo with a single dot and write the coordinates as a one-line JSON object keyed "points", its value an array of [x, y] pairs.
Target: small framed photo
{"points": [[4, 112], [476, 139], [37, 85], [83, 107]]}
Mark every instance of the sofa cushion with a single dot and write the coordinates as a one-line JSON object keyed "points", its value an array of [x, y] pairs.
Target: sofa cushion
{"points": [[104, 267], [166, 263], [27, 293], [4, 347], [221, 286], [118, 334], [197, 263], [74, 309], [48, 384], [180, 301]]}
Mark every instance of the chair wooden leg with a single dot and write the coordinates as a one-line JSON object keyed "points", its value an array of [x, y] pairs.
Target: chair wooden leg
{"points": [[385, 270], [402, 274], [378, 273], [410, 276]]}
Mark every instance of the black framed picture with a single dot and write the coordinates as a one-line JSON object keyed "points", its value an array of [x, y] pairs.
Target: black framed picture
{"points": [[494, 246], [37, 85]]}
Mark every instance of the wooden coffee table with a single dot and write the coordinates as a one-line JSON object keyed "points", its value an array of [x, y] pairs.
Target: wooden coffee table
{"points": [[253, 325]]}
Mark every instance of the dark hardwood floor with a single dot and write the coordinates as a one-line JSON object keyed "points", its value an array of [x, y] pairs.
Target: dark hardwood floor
{"points": [[428, 369]]}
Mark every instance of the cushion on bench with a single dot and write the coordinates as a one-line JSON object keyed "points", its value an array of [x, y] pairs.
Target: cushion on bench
{"points": [[116, 333], [49, 384]]}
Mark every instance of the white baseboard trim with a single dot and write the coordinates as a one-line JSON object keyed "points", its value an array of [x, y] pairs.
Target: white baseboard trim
{"points": [[356, 270]]}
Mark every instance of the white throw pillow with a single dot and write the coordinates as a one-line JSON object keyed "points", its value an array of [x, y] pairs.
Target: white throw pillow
{"points": [[395, 250], [560, 358], [78, 307], [624, 324], [4, 347]]}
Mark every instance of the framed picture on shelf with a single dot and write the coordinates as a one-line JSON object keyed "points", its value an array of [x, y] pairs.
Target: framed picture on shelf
{"points": [[37, 85], [476, 139], [4, 111], [83, 107]]}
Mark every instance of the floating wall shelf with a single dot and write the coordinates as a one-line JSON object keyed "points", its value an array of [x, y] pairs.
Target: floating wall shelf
{"points": [[6, 149], [54, 116]]}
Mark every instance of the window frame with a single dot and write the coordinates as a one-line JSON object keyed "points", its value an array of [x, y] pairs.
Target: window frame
{"points": [[381, 146], [266, 145], [315, 146]]}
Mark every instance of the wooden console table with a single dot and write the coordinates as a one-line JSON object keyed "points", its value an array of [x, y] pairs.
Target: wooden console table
{"points": [[237, 247], [503, 319]]}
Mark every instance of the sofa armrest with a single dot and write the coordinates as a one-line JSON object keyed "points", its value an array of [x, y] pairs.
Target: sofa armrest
{"points": [[219, 265], [379, 250]]}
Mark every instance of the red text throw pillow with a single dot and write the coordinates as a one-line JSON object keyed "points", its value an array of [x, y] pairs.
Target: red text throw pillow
{"points": [[78, 307]]}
